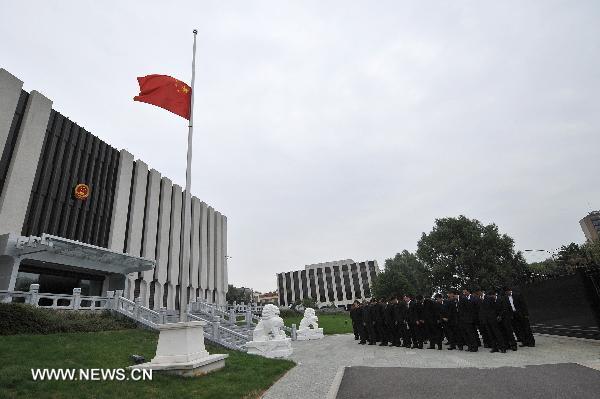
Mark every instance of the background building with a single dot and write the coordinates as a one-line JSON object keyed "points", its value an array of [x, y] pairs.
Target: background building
{"points": [[339, 282], [267, 297], [125, 235], [591, 226]]}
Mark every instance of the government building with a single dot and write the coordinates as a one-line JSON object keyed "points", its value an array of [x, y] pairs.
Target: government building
{"points": [[339, 282], [76, 212]]}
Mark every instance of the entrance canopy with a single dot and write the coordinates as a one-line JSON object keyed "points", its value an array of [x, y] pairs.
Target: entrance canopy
{"points": [[58, 250]]}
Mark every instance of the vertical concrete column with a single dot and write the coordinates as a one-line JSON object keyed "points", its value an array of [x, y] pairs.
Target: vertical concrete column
{"points": [[224, 249], [184, 269], [162, 241], [308, 288], [219, 257], [284, 283], [369, 279], [136, 219], [9, 267], [195, 249], [175, 245], [150, 233], [10, 91], [334, 284], [211, 253], [118, 224], [203, 266], [23, 165], [352, 293], [292, 289], [360, 281], [300, 286]]}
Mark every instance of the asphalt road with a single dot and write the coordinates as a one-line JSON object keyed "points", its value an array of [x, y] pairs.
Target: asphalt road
{"points": [[564, 380]]}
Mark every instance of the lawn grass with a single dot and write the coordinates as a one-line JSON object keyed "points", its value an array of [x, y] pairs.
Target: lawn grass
{"points": [[244, 376], [331, 323]]}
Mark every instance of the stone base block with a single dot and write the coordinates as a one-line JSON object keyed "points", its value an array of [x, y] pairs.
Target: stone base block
{"points": [[181, 351], [309, 333], [272, 349], [189, 369]]}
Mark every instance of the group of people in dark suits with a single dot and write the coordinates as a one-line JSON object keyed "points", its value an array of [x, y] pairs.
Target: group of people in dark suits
{"points": [[468, 320]]}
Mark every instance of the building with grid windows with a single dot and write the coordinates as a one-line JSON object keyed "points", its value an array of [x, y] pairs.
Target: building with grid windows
{"points": [[76, 212], [340, 282], [591, 226]]}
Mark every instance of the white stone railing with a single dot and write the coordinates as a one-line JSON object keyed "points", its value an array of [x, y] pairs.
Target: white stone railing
{"points": [[76, 301], [230, 317], [213, 315]]}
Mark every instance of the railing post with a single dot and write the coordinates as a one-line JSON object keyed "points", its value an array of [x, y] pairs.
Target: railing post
{"points": [[110, 295], [137, 307], [293, 335], [119, 293], [248, 318], [216, 325], [33, 294], [232, 317], [162, 314], [76, 298]]}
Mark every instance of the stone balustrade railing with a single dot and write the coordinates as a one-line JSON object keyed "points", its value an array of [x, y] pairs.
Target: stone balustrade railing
{"points": [[221, 320]]}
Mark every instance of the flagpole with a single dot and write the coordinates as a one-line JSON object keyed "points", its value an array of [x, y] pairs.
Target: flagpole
{"points": [[185, 236]]}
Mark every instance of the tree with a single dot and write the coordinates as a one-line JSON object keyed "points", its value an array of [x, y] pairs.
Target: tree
{"points": [[241, 294], [544, 268], [309, 303], [592, 251], [417, 275], [392, 280], [462, 252]]}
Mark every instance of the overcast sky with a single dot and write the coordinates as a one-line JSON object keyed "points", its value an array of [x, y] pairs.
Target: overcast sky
{"points": [[328, 130]]}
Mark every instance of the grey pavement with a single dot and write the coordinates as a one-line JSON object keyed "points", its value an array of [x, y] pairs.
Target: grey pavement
{"points": [[557, 381], [318, 362]]}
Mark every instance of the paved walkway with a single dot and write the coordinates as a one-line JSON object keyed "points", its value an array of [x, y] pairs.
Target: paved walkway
{"points": [[321, 362]]}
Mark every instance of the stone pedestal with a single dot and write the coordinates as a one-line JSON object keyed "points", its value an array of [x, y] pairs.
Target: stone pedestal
{"points": [[272, 348], [306, 334], [181, 351]]}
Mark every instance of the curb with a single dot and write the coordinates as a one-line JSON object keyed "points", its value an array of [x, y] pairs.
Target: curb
{"points": [[335, 384]]}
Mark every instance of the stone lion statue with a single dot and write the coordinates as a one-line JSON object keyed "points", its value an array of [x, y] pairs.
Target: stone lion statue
{"points": [[269, 326], [309, 319]]}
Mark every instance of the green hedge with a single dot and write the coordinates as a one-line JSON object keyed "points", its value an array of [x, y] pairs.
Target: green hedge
{"points": [[16, 318]]}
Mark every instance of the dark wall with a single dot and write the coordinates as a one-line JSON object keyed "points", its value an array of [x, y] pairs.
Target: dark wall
{"points": [[566, 305], [11, 141], [71, 155]]}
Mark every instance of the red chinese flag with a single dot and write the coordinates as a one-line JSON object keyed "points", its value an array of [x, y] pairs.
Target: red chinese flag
{"points": [[165, 92]]}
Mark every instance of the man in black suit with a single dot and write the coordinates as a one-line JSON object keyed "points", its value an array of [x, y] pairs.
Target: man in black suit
{"points": [[477, 299], [401, 315], [490, 316], [382, 332], [450, 319], [433, 321], [368, 322], [506, 322], [419, 318], [411, 321], [394, 321], [355, 314], [466, 320], [520, 317]]}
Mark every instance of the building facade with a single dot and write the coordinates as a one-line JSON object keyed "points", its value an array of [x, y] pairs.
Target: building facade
{"points": [[591, 226], [125, 234], [338, 282]]}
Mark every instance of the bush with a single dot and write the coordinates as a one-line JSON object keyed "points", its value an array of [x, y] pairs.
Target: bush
{"points": [[16, 318], [287, 312]]}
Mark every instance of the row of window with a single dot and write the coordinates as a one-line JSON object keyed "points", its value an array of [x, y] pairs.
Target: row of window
{"points": [[327, 284]]}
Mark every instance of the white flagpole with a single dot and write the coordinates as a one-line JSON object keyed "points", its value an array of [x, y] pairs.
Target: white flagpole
{"points": [[185, 225]]}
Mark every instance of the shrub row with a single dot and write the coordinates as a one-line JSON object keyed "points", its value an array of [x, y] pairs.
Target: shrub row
{"points": [[18, 318]]}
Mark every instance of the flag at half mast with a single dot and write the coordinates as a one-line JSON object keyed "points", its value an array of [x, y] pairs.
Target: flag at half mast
{"points": [[165, 92]]}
